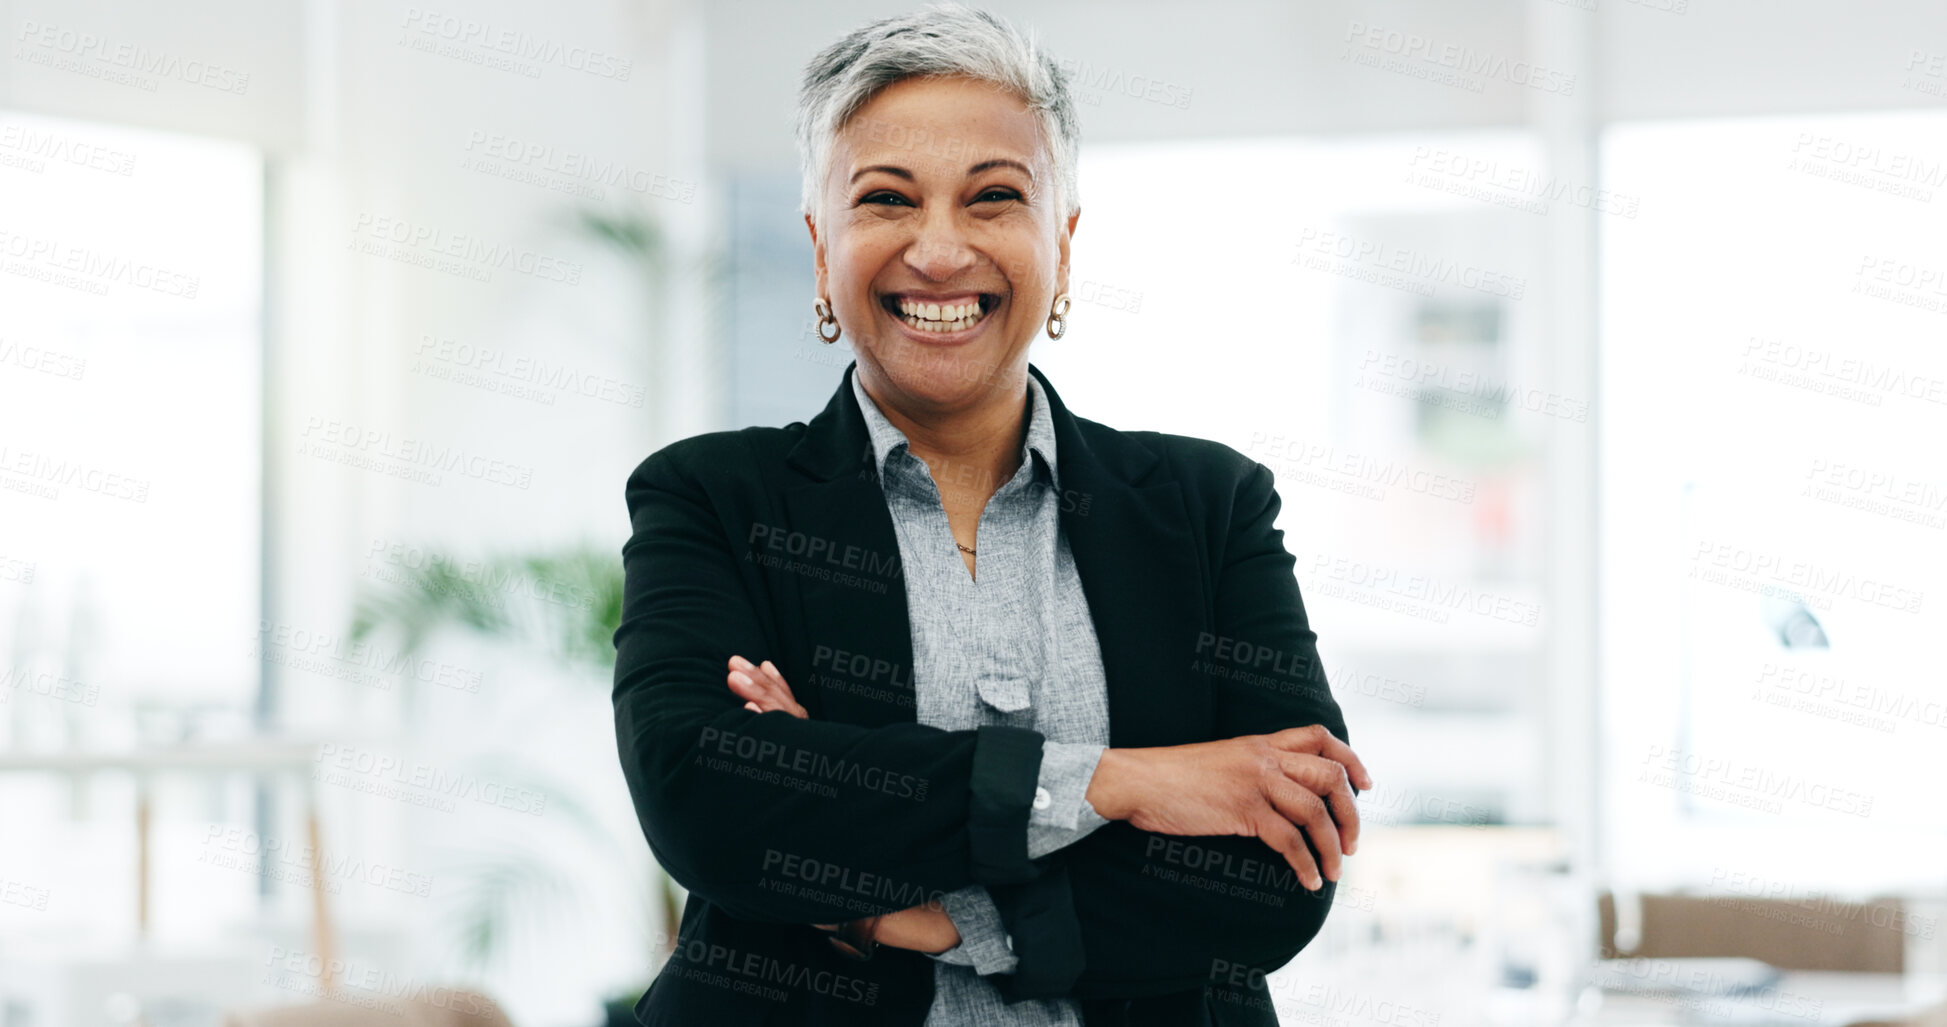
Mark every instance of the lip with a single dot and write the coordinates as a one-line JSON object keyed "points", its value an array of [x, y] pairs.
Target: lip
{"points": [[959, 338]]}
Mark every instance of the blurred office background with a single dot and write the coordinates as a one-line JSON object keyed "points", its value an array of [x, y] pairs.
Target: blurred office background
{"points": [[1596, 345]]}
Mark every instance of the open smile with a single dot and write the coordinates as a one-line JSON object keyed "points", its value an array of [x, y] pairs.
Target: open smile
{"points": [[940, 319]]}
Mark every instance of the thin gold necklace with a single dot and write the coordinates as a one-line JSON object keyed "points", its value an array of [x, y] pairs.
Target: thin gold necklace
{"points": [[964, 549]]}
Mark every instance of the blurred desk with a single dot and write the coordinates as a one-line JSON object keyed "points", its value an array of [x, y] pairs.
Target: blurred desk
{"points": [[291, 757], [1402, 987], [1799, 998]]}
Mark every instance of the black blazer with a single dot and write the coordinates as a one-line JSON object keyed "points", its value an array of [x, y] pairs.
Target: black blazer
{"points": [[775, 543]]}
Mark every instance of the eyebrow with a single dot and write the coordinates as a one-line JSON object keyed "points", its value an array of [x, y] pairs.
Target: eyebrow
{"points": [[998, 162]]}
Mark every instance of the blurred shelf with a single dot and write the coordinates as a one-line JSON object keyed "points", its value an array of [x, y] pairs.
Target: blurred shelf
{"points": [[250, 755]]}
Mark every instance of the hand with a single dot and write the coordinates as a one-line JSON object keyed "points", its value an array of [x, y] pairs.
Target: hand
{"points": [[924, 928], [763, 687], [1261, 786]]}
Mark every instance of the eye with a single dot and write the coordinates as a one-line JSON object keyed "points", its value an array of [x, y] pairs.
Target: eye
{"points": [[882, 196], [998, 193]]}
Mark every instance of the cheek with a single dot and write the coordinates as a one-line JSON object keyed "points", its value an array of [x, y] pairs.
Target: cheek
{"points": [[860, 252], [1030, 274], [1026, 254]]}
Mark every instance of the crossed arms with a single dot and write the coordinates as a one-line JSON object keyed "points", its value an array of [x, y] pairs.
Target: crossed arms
{"points": [[909, 813]]}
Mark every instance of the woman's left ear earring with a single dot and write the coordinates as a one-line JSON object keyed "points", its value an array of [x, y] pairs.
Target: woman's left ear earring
{"points": [[1058, 317], [825, 317]]}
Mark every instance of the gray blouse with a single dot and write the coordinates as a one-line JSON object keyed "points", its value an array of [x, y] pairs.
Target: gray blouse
{"points": [[1015, 647]]}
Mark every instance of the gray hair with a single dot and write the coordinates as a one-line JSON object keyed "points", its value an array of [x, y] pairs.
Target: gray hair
{"points": [[944, 39]]}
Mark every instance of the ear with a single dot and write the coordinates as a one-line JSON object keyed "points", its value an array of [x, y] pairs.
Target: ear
{"points": [[1062, 239], [817, 254]]}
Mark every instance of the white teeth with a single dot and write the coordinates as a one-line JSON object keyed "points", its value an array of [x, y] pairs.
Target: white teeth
{"points": [[934, 317]]}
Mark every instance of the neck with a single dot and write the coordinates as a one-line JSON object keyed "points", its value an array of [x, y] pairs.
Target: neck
{"points": [[972, 448]]}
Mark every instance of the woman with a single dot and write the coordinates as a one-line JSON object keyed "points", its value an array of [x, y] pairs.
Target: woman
{"points": [[951, 707]]}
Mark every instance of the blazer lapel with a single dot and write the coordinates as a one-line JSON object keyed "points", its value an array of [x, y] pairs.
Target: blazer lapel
{"points": [[1143, 576], [850, 579]]}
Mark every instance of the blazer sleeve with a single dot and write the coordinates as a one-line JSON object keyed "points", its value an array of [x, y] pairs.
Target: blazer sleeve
{"points": [[767, 816], [1127, 913]]}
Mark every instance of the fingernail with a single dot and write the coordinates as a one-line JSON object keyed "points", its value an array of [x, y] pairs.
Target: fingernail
{"points": [[740, 677], [740, 660]]}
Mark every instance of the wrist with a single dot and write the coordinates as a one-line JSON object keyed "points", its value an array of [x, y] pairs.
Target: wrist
{"points": [[1112, 790], [856, 939]]}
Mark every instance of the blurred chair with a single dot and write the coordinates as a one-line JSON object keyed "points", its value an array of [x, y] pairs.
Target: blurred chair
{"points": [[460, 1009], [1790, 935], [1935, 1017]]}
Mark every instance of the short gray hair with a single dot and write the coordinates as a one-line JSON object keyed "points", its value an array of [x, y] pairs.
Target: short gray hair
{"points": [[944, 39]]}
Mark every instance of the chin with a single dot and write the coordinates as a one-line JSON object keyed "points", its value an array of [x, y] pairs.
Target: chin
{"points": [[943, 376]]}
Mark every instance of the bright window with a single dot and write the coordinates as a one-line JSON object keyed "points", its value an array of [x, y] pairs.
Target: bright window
{"points": [[130, 331], [1774, 506]]}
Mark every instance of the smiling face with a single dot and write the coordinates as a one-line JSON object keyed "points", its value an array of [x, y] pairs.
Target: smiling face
{"points": [[941, 248]]}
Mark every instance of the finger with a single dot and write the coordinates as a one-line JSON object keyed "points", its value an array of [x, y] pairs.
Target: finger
{"points": [[753, 707], [1316, 774], [766, 672], [783, 691], [763, 685], [787, 699], [1327, 779], [745, 688], [740, 667], [1307, 811], [1315, 739], [1332, 749], [1274, 830], [1345, 812], [1355, 768]]}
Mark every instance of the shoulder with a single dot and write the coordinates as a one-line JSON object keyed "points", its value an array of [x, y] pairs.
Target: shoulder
{"points": [[1229, 500], [1205, 469], [1203, 461], [1226, 489]]}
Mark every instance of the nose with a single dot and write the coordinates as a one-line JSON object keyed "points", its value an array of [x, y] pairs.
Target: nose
{"points": [[940, 251]]}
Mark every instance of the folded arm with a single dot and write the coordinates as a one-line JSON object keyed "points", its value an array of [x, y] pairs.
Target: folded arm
{"points": [[1150, 905], [769, 816]]}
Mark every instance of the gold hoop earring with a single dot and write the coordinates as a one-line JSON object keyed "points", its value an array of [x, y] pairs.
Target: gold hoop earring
{"points": [[1058, 316], [826, 317]]}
